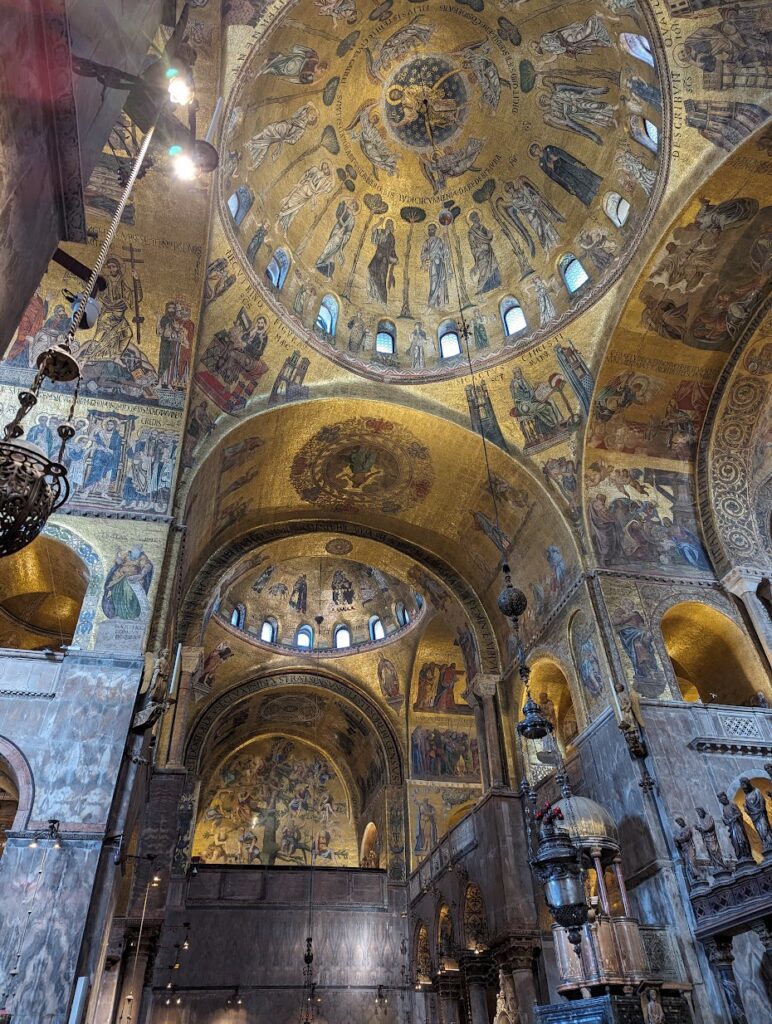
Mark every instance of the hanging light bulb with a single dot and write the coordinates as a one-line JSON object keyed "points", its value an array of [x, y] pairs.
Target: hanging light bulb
{"points": [[180, 86]]}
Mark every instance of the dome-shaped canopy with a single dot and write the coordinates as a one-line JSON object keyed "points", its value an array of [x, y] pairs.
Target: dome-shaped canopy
{"points": [[290, 595], [589, 824], [384, 172]]}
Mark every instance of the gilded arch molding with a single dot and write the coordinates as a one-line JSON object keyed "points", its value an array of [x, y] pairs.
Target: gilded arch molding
{"points": [[196, 596], [209, 717]]}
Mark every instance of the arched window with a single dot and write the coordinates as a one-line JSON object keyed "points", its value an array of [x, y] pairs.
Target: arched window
{"points": [[402, 614], [341, 637], [238, 616], [638, 46], [269, 631], [327, 317], [450, 343], [512, 316], [42, 588], [377, 632], [278, 268], [644, 132], [617, 208], [240, 203], [304, 637], [386, 338], [573, 273]]}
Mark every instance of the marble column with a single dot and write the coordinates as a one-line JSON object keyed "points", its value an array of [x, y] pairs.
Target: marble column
{"points": [[476, 973], [743, 581], [721, 957], [484, 687], [190, 666], [515, 960]]}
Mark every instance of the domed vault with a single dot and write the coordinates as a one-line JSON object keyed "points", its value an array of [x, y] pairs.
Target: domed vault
{"points": [[380, 178]]}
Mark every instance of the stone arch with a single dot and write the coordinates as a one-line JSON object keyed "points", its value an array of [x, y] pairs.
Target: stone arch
{"points": [[96, 569], [444, 932], [733, 490], [22, 777], [210, 715], [552, 687], [712, 657], [194, 603]]}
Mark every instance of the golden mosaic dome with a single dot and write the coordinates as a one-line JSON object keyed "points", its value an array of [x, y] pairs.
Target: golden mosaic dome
{"points": [[384, 169], [589, 824]]}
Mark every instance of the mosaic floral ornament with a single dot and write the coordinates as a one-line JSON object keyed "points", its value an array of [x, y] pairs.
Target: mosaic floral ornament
{"points": [[363, 462]]}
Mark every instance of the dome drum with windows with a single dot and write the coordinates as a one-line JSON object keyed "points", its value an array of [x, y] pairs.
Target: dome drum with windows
{"points": [[394, 174]]}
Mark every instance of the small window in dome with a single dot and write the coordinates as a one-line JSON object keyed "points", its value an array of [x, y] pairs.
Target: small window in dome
{"points": [[573, 273], [377, 632], [278, 268], [327, 317], [304, 637], [238, 616], [402, 614], [450, 343], [617, 208], [638, 46], [512, 316], [644, 132], [240, 203], [341, 637], [386, 338], [268, 631]]}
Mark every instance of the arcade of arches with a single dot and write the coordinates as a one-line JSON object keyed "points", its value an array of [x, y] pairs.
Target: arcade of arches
{"points": [[474, 284]]}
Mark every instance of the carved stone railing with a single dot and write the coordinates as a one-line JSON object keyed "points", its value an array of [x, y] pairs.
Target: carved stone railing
{"points": [[734, 904]]}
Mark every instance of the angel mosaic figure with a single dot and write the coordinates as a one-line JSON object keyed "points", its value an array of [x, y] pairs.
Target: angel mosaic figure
{"points": [[573, 107], [636, 172], [366, 130], [547, 311], [486, 268], [396, 46], [475, 58], [315, 182], [449, 163], [528, 209], [345, 221], [277, 134], [300, 65], [574, 40], [345, 9]]}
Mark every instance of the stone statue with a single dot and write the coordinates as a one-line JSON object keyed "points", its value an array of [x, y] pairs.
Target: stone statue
{"points": [[684, 840], [654, 1012], [756, 809], [735, 826], [160, 675], [768, 769], [706, 826]]}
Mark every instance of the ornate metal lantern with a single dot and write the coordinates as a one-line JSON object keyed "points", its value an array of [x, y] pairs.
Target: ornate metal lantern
{"points": [[511, 601], [32, 485], [560, 871], [534, 725]]}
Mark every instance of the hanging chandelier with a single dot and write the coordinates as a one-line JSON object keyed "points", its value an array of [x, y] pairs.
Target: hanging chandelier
{"points": [[33, 485]]}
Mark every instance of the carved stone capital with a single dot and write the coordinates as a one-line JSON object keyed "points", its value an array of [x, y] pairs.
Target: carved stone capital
{"points": [[191, 659], [744, 579], [517, 952], [485, 685], [477, 968], [719, 950]]}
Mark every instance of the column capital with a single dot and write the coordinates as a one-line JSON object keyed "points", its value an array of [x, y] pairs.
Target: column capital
{"points": [[477, 968], [744, 579], [448, 984], [719, 950], [485, 684], [191, 659], [517, 952]]}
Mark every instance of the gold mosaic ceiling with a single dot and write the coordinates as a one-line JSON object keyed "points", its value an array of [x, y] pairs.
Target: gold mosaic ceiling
{"points": [[293, 592], [409, 159]]}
